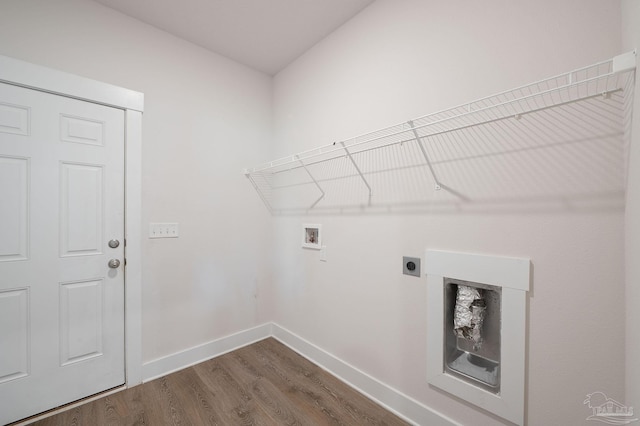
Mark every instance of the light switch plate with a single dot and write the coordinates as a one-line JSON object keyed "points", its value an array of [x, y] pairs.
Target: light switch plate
{"points": [[164, 230]]}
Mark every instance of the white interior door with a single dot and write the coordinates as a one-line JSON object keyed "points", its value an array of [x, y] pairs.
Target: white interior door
{"points": [[61, 202]]}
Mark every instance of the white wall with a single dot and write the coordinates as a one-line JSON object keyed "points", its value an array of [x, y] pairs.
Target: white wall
{"points": [[401, 59], [631, 40], [205, 119]]}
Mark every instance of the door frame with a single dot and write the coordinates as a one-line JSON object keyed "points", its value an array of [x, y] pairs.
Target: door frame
{"points": [[32, 76]]}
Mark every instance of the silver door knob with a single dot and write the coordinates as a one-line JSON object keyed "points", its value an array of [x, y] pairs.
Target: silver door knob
{"points": [[114, 263], [114, 243]]}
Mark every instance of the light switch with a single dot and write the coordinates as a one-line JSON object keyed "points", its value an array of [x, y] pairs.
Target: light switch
{"points": [[163, 230]]}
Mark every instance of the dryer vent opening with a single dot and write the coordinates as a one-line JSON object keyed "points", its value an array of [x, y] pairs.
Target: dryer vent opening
{"points": [[472, 332]]}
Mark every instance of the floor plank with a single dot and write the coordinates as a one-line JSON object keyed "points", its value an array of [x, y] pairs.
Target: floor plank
{"points": [[265, 383]]}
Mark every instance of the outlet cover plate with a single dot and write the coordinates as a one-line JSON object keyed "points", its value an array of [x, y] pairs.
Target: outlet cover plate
{"points": [[411, 266]]}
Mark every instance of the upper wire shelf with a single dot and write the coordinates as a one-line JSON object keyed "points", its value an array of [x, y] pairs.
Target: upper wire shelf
{"points": [[587, 104]]}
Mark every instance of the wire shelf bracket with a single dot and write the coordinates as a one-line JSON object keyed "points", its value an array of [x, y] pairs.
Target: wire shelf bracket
{"points": [[437, 185]]}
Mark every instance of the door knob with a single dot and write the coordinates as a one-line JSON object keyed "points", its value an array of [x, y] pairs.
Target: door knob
{"points": [[114, 243], [114, 263]]}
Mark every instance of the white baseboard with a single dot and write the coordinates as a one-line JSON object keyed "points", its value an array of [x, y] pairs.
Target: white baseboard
{"points": [[183, 359], [393, 400]]}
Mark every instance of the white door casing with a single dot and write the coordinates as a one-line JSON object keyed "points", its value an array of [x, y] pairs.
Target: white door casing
{"points": [[77, 195]]}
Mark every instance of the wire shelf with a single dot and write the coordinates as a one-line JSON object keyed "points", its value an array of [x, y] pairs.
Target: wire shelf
{"points": [[451, 155]]}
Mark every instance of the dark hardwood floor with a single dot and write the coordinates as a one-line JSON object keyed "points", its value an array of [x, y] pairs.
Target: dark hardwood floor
{"points": [[262, 384]]}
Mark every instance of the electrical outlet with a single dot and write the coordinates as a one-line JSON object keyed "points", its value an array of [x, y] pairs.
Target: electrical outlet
{"points": [[163, 230], [411, 266]]}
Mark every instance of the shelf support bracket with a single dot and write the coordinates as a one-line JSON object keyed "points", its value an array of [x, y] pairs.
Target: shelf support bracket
{"points": [[255, 186], [426, 156], [358, 170], [314, 181]]}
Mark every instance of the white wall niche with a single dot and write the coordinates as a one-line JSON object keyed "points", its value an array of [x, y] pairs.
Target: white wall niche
{"points": [[512, 275]]}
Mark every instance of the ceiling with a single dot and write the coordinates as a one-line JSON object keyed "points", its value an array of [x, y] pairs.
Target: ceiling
{"points": [[264, 34]]}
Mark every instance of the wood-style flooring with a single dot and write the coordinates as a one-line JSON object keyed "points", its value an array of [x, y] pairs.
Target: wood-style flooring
{"points": [[265, 383]]}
